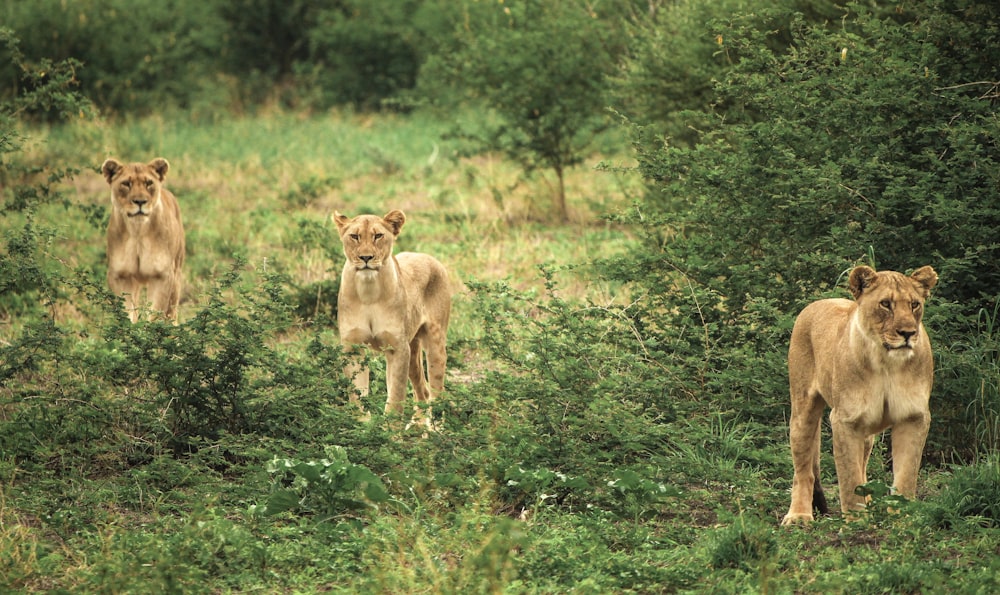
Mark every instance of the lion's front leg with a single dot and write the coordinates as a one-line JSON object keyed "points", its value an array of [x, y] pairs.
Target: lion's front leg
{"points": [[360, 376], [133, 303], [127, 287], [907, 449], [165, 293], [850, 449], [804, 437], [397, 363]]}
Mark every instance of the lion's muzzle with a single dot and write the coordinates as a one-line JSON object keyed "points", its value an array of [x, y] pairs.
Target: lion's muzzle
{"points": [[367, 263], [903, 340]]}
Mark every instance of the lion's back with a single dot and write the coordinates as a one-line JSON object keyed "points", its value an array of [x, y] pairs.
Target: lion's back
{"points": [[424, 275], [423, 271], [823, 317], [816, 337], [174, 228]]}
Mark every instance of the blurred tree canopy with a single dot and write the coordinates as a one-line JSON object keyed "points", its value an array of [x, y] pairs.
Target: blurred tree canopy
{"points": [[212, 55]]}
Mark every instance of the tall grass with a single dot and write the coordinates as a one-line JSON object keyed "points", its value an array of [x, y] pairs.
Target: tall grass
{"points": [[984, 410]]}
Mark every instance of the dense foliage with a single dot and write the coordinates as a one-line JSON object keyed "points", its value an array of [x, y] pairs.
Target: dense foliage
{"points": [[878, 138], [872, 143], [205, 56]]}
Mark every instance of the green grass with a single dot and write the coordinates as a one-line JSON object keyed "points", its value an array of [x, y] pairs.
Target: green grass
{"points": [[574, 454], [265, 188]]}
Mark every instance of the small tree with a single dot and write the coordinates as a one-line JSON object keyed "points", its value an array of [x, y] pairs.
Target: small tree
{"points": [[542, 67]]}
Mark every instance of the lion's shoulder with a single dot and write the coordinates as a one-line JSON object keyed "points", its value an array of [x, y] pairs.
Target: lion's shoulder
{"points": [[825, 316], [420, 266]]}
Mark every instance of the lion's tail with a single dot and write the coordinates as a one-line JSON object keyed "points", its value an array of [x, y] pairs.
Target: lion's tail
{"points": [[819, 499]]}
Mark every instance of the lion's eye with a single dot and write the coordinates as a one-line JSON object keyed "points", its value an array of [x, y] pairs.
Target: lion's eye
{"points": [[355, 237], [915, 306], [887, 304], [149, 184], [126, 184], [378, 236]]}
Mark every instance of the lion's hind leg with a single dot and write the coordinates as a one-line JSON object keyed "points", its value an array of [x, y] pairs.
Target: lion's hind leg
{"points": [[804, 437], [421, 392], [437, 358]]}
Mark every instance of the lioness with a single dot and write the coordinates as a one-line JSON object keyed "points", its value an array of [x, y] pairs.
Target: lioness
{"points": [[145, 236], [399, 304], [870, 361]]}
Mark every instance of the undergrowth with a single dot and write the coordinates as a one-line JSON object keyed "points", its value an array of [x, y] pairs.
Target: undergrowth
{"points": [[609, 425]]}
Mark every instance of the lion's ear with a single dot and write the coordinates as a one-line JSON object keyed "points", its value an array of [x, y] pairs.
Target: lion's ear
{"points": [[926, 277], [340, 220], [110, 168], [395, 220], [861, 278], [160, 166]]}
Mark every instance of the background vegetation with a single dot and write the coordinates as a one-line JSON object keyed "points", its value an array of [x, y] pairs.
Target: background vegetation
{"points": [[635, 198]]}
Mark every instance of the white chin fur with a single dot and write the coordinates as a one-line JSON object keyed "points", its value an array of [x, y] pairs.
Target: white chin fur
{"points": [[901, 353]]}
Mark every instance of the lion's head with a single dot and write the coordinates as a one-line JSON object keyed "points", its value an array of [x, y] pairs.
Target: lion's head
{"points": [[135, 187], [891, 305], [368, 239]]}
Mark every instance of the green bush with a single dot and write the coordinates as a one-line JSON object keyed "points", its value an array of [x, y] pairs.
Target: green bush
{"points": [[338, 52], [127, 59], [885, 147], [364, 52], [896, 577], [44, 88], [330, 489], [573, 382], [268, 37], [218, 373], [871, 142], [676, 55], [159, 387], [206, 547]]}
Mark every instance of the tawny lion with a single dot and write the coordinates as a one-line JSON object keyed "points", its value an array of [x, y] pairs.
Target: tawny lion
{"points": [[397, 304], [870, 361], [145, 237]]}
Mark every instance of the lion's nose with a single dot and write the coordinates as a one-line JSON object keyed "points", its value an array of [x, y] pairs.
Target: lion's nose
{"points": [[139, 201], [907, 335], [366, 259]]}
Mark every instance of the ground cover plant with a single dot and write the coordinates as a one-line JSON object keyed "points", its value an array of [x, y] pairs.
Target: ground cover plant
{"points": [[580, 448], [616, 408]]}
